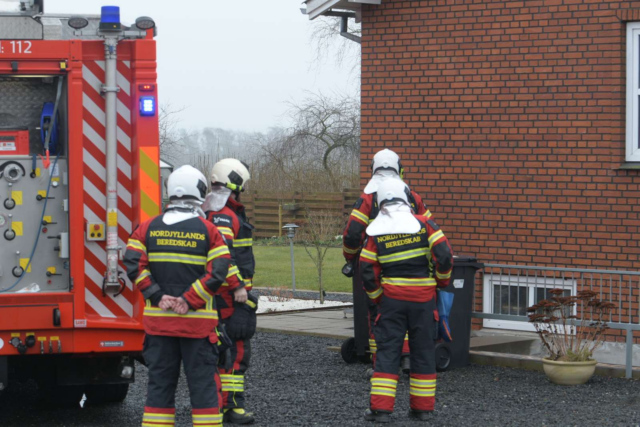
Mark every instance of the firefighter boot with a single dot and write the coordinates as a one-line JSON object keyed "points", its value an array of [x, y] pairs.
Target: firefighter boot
{"points": [[419, 416], [238, 416], [378, 417]]}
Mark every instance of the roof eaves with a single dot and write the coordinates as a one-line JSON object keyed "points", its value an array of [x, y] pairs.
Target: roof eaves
{"points": [[316, 8]]}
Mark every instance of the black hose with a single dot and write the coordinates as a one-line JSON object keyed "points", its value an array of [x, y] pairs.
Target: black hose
{"points": [[52, 125]]}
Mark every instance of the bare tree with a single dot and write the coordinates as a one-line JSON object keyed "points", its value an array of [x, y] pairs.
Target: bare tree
{"points": [[326, 39], [332, 124], [203, 162], [172, 138], [318, 236], [318, 153]]}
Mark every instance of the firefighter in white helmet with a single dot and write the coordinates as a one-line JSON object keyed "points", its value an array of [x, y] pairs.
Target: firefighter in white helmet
{"points": [[405, 258], [386, 165], [179, 262], [223, 207]]}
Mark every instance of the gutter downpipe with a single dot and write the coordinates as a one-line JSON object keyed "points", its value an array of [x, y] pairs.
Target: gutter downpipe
{"points": [[344, 30], [344, 23]]}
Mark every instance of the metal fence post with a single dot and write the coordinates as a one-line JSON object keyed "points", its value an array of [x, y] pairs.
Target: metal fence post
{"points": [[629, 367], [293, 267], [291, 233]]}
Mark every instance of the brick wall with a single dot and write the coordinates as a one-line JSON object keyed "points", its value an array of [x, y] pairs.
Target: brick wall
{"points": [[509, 117]]}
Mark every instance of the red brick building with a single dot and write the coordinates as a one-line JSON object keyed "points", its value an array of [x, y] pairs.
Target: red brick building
{"points": [[514, 121]]}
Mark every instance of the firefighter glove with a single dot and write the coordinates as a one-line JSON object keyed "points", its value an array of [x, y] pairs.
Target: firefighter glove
{"points": [[242, 323], [347, 270]]}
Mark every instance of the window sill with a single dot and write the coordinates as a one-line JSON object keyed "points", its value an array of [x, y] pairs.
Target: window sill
{"points": [[629, 166]]}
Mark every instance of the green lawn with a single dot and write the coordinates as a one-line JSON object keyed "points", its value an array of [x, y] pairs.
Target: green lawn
{"points": [[273, 268]]}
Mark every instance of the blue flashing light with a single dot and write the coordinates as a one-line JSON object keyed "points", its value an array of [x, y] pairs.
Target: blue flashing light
{"points": [[147, 106], [110, 15]]}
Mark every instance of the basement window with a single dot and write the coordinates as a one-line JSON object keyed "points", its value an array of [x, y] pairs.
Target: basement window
{"points": [[633, 92], [513, 294]]}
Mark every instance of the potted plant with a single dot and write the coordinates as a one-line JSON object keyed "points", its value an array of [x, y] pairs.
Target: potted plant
{"points": [[570, 338]]}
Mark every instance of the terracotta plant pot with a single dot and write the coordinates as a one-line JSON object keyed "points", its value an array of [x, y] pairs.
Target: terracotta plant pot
{"points": [[569, 373]]}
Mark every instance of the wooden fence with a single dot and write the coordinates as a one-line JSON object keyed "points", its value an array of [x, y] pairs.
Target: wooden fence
{"points": [[268, 212]]}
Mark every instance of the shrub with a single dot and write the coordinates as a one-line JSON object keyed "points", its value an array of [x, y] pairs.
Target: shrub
{"points": [[280, 294], [318, 235], [565, 336]]}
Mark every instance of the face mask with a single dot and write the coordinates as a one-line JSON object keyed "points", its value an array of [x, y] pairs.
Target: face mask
{"points": [[217, 199]]}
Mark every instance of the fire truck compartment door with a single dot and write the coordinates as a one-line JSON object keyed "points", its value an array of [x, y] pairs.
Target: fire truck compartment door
{"points": [[29, 317]]}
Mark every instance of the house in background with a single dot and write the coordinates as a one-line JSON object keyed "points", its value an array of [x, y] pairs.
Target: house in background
{"points": [[518, 122]]}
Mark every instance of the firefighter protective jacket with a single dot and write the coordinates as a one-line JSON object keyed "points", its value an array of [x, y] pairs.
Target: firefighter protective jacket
{"points": [[364, 211], [238, 233], [188, 259], [407, 266]]}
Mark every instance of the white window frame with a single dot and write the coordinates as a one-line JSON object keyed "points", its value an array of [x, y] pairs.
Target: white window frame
{"points": [[633, 92], [531, 283]]}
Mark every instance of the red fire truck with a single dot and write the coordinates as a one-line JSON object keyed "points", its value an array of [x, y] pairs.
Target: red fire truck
{"points": [[79, 169]]}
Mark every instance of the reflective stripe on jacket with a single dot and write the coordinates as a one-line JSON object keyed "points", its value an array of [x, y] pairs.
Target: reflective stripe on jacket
{"points": [[407, 266], [188, 259], [239, 236]]}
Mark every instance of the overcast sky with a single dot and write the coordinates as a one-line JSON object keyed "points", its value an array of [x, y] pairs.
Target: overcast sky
{"points": [[234, 64]]}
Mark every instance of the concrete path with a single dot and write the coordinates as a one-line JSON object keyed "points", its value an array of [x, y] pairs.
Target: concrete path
{"points": [[334, 324], [329, 323]]}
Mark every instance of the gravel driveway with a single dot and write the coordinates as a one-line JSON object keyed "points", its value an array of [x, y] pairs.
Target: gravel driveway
{"points": [[296, 381]]}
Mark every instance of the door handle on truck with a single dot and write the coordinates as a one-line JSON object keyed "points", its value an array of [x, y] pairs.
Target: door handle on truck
{"points": [[56, 317]]}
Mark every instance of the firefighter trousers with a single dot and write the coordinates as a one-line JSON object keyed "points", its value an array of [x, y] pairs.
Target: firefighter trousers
{"points": [[396, 317], [163, 356], [372, 316], [232, 374]]}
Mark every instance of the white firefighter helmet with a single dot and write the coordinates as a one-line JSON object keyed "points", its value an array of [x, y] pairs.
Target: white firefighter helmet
{"points": [[187, 183], [233, 173], [396, 216], [387, 160], [393, 190]]}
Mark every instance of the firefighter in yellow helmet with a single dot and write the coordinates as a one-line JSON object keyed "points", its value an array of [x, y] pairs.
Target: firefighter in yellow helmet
{"points": [[224, 209]]}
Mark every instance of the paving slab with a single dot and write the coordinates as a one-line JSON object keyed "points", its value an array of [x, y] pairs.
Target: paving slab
{"points": [[326, 323]]}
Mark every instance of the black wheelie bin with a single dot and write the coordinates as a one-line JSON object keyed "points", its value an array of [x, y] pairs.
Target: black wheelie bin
{"points": [[455, 354]]}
